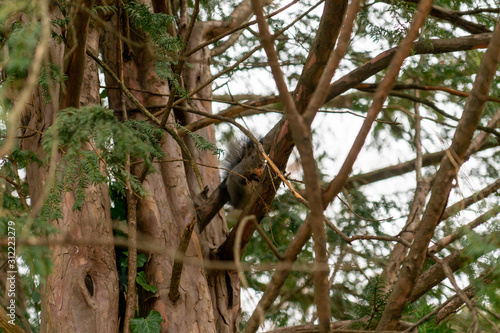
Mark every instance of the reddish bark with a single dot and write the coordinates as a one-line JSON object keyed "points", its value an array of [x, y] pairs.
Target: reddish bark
{"points": [[83, 283]]}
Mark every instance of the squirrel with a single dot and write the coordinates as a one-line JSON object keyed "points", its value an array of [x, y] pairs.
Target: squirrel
{"points": [[244, 165]]}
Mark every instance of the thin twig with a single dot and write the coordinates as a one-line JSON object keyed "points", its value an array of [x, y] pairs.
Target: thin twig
{"points": [[247, 55], [433, 106], [31, 81], [474, 326], [237, 256], [151, 117], [267, 240], [301, 134], [241, 27]]}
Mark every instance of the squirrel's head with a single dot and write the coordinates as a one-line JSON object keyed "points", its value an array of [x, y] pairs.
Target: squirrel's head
{"points": [[254, 162]]}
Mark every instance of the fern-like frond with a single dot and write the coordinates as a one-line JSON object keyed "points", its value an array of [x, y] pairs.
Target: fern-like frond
{"points": [[200, 142], [96, 146]]}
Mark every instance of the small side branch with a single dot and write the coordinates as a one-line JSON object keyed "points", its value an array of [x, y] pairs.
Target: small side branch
{"points": [[179, 261]]}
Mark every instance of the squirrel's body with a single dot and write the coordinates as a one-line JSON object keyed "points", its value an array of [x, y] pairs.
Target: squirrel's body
{"points": [[245, 166]]}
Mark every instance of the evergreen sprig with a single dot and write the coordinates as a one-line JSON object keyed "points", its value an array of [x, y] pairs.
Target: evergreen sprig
{"points": [[373, 302], [91, 137], [200, 142], [156, 26]]}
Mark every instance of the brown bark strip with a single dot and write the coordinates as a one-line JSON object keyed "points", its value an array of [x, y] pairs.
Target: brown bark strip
{"points": [[179, 261], [74, 56], [301, 134], [445, 241], [434, 46], [447, 172], [381, 94]]}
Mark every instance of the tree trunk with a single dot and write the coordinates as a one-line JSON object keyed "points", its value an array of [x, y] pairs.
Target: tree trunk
{"points": [[209, 300], [81, 292]]}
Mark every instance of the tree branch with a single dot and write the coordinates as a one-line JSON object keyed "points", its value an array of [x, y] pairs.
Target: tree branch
{"points": [[452, 17], [433, 46], [179, 261], [403, 50], [445, 241], [301, 134], [447, 172]]}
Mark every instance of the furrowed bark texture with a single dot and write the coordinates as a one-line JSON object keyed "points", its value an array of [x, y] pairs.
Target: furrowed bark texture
{"points": [[83, 283], [209, 300], [447, 172], [164, 213]]}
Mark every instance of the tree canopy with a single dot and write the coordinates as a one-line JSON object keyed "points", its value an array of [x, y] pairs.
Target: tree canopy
{"points": [[377, 210]]}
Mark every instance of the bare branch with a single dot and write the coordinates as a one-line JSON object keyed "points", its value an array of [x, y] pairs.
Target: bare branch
{"points": [[447, 172], [383, 90], [445, 241], [479, 195]]}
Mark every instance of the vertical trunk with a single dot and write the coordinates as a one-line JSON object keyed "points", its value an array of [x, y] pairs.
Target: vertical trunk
{"points": [[209, 301], [224, 286], [81, 292]]}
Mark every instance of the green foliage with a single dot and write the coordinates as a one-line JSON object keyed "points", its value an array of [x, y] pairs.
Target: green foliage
{"points": [[156, 26], [141, 275], [105, 10], [150, 324], [200, 142], [118, 201], [399, 15], [108, 142], [141, 260], [141, 280], [372, 303], [21, 44], [38, 260], [55, 79]]}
